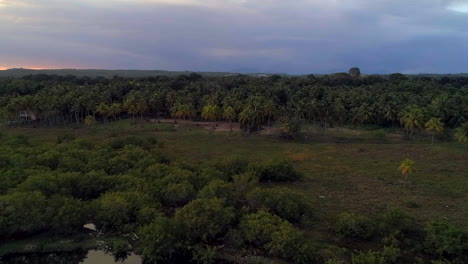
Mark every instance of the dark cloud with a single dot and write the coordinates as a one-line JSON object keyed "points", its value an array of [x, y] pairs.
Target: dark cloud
{"points": [[297, 36]]}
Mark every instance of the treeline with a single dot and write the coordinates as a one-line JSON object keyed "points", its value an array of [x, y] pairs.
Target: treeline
{"points": [[328, 100], [173, 212]]}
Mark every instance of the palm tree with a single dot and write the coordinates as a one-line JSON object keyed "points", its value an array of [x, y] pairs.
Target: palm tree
{"points": [[115, 109], [211, 114], [131, 106], [90, 120], [175, 112], [407, 167], [103, 110], [434, 125], [229, 115], [270, 111], [246, 118], [461, 134], [412, 119]]}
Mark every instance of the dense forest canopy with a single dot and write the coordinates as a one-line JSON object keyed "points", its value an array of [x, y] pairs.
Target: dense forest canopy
{"points": [[329, 100]]}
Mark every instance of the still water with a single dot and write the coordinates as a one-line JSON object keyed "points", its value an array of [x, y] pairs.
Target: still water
{"points": [[76, 257]]}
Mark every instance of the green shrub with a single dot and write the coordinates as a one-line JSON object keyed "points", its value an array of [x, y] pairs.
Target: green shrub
{"points": [[277, 237], [443, 239], [219, 189], [144, 142], [205, 219], [277, 171], [233, 166], [204, 254], [391, 255], [283, 202], [354, 227], [163, 240], [393, 221], [378, 134], [65, 138], [369, 257]]}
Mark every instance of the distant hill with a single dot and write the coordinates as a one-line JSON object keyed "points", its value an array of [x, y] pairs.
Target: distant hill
{"points": [[20, 72]]}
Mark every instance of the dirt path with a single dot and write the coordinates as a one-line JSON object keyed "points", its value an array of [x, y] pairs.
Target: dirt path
{"points": [[218, 126]]}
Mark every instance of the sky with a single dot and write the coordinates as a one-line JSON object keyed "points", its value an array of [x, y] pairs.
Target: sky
{"points": [[274, 36]]}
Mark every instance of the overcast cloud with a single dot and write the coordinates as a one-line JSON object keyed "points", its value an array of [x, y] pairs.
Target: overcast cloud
{"points": [[295, 36]]}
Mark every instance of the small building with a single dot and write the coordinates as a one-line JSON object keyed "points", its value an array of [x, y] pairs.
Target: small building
{"points": [[27, 115]]}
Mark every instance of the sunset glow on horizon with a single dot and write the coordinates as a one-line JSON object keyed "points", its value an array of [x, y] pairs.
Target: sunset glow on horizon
{"points": [[300, 36]]}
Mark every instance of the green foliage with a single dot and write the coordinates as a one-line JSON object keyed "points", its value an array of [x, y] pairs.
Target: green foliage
{"points": [[205, 219], [369, 257], [283, 202], [355, 72], [394, 220], [447, 241], [354, 227], [204, 254], [276, 170], [276, 236], [233, 166], [163, 240], [119, 211], [219, 189]]}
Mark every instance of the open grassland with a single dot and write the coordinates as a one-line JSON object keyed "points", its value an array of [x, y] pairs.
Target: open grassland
{"points": [[359, 176]]}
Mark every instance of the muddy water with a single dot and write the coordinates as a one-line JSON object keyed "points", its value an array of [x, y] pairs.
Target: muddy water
{"points": [[77, 257], [100, 257]]}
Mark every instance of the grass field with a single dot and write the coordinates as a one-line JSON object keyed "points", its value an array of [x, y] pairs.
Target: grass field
{"points": [[357, 176]]}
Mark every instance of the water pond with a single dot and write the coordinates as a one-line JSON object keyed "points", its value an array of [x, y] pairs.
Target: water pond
{"points": [[76, 257]]}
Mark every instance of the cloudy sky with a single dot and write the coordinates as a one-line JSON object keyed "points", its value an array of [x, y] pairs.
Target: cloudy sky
{"points": [[287, 36]]}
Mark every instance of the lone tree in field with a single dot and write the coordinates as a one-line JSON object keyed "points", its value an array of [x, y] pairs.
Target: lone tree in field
{"points": [[355, 72], [406, 168], [434, 125], [229, 115], [461, 134]]}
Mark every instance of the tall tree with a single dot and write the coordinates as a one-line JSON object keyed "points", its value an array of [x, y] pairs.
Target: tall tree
{"points": [[461, 134], [434, 125], [211, 114], [406, 168], [270, 111], [412, 119], [229, 115], [355, 72], [103, 110]]}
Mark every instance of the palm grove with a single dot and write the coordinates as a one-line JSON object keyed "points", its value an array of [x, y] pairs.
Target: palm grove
{"points": [[416, 104]]}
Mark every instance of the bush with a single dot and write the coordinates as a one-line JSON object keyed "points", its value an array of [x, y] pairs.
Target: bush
{"points": [[283, 202], [393, 221], [144, 142], [233, 166], [205, 219], [276, 236], [65, 138], [219, 189], [370, 257], [378, 134], [354, 227], [391, 255], [447, 241], [277, 170], [163, 240]]}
